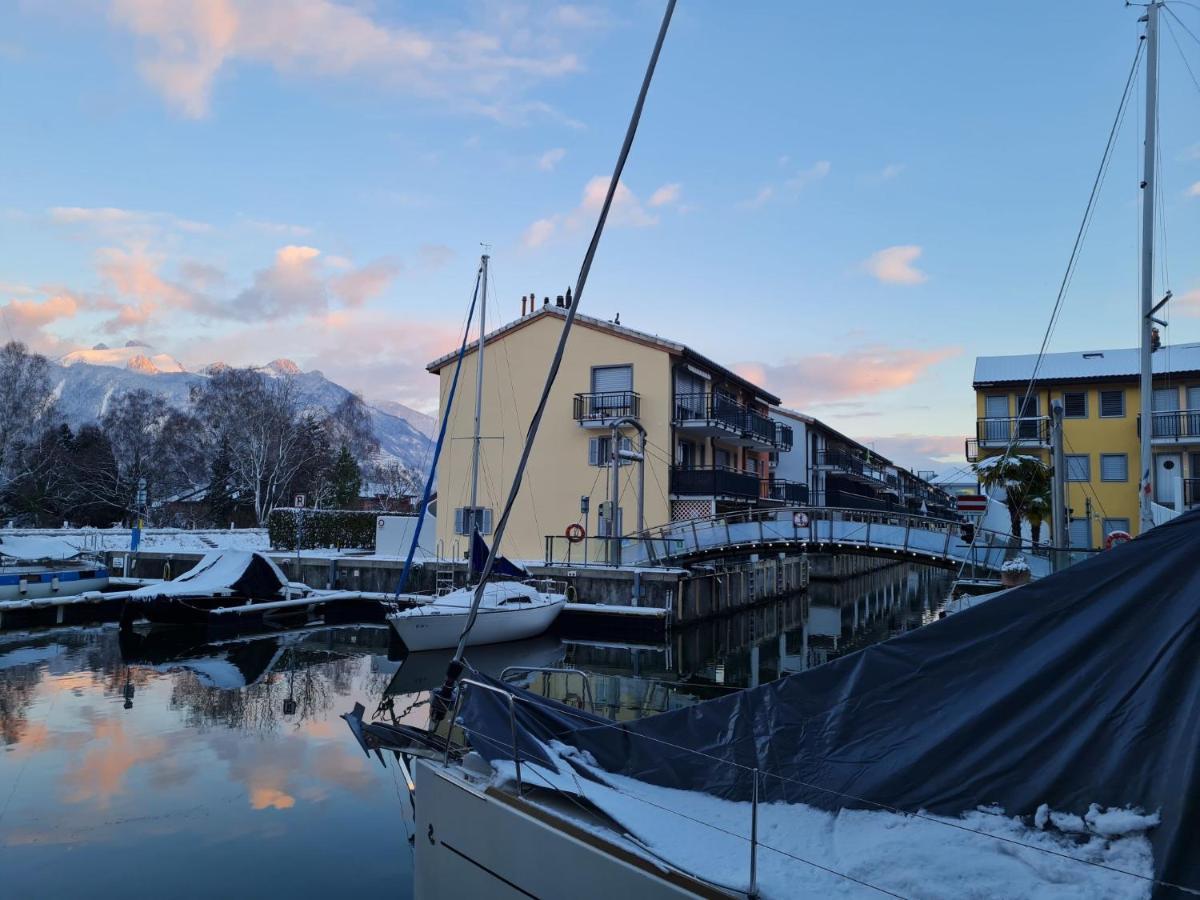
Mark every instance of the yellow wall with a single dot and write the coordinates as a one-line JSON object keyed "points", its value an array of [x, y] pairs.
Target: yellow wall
{"points": [[1089, 436], [515, 368]]}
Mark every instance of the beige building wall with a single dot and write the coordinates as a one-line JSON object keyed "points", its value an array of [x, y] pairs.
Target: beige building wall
{"points": [[515, 367]]}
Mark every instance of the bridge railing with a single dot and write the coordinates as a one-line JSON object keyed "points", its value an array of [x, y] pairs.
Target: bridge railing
{"points": [[904, 533]]}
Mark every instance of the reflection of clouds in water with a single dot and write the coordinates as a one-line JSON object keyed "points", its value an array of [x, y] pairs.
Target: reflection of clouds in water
{"points": [[111, 753]]}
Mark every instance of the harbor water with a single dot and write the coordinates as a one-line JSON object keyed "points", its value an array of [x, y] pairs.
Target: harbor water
{"points": [[175, 762]]}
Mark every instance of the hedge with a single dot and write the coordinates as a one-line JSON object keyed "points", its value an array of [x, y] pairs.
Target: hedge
{"points": [[322, 528]]}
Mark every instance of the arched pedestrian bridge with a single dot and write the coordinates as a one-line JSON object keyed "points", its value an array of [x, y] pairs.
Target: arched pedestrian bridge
{"points": [[829, 530]]}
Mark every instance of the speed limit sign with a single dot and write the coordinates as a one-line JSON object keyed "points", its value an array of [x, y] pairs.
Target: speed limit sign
{"points": [[800, 520]]}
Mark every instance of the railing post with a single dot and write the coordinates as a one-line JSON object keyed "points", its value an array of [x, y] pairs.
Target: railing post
{"points": [[753, 892], [946, 549], [512, 722]]}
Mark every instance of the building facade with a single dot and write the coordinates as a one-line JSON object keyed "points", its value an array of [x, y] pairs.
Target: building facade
{"points": [[1099, 390], [715, 442]]}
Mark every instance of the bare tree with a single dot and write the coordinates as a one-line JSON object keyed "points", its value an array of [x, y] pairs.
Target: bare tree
{"points": [[26, 408], [349, 425], [391, 482], [259, 419]]}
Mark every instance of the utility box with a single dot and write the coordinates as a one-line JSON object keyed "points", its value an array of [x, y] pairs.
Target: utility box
{"points": [[393, 534]]}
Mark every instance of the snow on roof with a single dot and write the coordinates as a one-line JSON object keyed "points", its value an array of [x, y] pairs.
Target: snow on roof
{"points": [[1084, 364], [36, 548]]}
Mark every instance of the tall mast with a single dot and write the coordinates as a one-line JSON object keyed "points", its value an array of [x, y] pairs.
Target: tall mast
{"points": [[1146, 389], [483, 268]]}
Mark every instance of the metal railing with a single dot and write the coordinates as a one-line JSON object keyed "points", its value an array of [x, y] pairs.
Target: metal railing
{"points": [[730, 415], [599, 551], [713, 481], [971, 450], [787, 491], [600, 407], [1022, 430], [1174, 425]]}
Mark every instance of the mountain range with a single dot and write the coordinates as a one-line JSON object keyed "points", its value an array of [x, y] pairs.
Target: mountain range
{"points": [[86, 381]]}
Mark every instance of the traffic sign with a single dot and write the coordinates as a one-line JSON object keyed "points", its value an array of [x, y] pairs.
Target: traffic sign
{"points": [[972, 503], [799, 520], [299, 504]]}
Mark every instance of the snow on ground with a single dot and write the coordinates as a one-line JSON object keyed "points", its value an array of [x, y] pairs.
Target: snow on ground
{"points": [[804, 851]]}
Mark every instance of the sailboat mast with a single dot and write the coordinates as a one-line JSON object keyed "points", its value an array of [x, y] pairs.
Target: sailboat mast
{"points": [[483, 268], [1146, 388]]}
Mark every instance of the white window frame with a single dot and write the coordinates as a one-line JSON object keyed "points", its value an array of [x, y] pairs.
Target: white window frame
{"points": [[463, 519]]}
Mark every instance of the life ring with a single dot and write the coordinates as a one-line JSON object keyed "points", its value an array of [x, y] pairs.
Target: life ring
{"points": [[1116, 537], [575, 533]]}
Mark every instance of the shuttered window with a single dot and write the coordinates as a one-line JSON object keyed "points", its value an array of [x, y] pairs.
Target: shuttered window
{"points": [[467, 516], [612, 379], [1114, 467], [1075, 404], [1081, 533], [1112, 404], [600, 451], [1079, 468], [1111, 525]]}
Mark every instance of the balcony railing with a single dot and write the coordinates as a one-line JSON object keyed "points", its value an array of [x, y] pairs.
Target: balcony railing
{"points": [[722, 414], [787, 491], [1175, 425], [714, 481], [1191, 492], [604, 407], [971, 450], [848, 463], [1024, 430]]}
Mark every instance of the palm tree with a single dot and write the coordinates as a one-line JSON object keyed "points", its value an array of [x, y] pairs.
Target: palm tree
{"points": [[1022, 477], [1037, 511]]}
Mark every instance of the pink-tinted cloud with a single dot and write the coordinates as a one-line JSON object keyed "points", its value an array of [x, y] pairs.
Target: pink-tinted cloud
{"points": [[838, 376], [186, 45], [666, 195], [360, 285], [894, 265], [28, 314], [920, 451], [626, 211]]}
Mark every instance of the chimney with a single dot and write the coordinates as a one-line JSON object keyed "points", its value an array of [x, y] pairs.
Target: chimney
{"points": [[1155, 340], [545, 301], [569, 302], [524, 300], [558, 301]]}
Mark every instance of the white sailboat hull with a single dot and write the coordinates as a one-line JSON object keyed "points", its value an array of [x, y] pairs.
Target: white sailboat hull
{"points": [[437, 625]]}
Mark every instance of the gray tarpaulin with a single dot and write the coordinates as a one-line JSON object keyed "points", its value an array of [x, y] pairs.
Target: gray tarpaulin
{"points": [[1080, 688]]}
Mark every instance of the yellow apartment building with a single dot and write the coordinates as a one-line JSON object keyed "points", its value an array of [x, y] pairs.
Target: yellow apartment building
{"points": [[1102, 404], [709, 433]]}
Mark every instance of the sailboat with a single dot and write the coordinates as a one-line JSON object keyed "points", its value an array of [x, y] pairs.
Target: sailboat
{"points": [[511, 609]]}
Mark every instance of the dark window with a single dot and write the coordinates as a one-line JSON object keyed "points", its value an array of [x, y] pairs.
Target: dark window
{"points": [[1112, 403], [1075, 404]]}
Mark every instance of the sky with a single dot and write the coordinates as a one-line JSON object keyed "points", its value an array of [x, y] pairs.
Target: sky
{"points": [[846, 203]]}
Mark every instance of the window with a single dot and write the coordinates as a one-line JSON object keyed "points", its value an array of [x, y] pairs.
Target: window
{"points": [[467, 519], [1075, 404], [600, 451], [1110, 525], [1080, 533], [1165, 399], [1079, 468], [1112, 404], [610, 390], [1114, 467]]}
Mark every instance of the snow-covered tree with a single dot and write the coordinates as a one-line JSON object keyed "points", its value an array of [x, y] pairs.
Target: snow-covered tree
{"points": [[1021, 476], [26, 408]]}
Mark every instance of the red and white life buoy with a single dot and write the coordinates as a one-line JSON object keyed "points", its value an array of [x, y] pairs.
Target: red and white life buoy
{"points": [[1116, 537], [575, 533]]}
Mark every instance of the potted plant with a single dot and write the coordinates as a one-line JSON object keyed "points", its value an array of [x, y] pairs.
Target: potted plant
{"points": [[1014, 572]]}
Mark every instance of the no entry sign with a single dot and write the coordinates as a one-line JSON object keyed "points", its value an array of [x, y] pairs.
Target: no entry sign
{"points": [[972, 503]]}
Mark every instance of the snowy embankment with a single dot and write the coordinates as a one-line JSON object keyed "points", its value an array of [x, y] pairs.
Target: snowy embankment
{"points": [[166, 540], [804, 851]]}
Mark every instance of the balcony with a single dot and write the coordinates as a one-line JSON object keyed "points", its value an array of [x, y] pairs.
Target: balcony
{"points": [[714, 481], [845, 462], [1025, 431], [714, 415], [784, 491], [1180, 426], [971, 450], [601, 410]]}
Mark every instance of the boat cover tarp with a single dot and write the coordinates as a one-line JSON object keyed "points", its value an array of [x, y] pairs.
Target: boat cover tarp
{"points": [[501, 567], [36, 548], [1080, 688], [243, 573]]}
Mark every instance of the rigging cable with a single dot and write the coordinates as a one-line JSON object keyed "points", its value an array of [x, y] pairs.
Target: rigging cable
{"points": [[456, 665]]}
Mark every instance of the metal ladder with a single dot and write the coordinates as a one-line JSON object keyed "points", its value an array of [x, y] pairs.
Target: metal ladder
{"points": [[443, 580]]}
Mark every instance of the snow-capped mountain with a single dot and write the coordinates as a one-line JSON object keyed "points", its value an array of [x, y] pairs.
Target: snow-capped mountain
{"points": [[86, 381]]}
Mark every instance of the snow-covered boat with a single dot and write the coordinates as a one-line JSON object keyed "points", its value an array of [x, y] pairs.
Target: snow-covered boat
{"points": [[509, 611], [38, 567]]}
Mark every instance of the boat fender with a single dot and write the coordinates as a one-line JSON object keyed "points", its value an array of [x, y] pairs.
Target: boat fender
{"points": [[575, 533], [571, 594], [1117, 537]]}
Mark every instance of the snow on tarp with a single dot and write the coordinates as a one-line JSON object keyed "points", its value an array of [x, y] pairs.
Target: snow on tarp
{"points": [[33, 548], [1081, 688], [236, 571], [808, 852]]}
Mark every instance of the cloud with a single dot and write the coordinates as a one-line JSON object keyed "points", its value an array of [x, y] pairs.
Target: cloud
{"points": [[887, 173], [802, 179], [1194, 190], [184, 47], [357, 287], [920, 451], [551, 158], [1188, 304], [292, 284], [761, 198], [860, 372], [31, 314], [894, 265], [123, 224], [278, 228], [627, 211], [434, 256], [666, 195]]}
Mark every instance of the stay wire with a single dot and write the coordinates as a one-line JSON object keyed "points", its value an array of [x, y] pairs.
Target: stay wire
{"points": [[1183, 56], [560, 350]]}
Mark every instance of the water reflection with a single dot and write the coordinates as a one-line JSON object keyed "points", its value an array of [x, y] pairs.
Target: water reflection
{"points": [[218, 764]]}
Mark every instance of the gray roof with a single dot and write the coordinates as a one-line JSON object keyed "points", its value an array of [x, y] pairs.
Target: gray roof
{"points": [[1085, 364]]}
